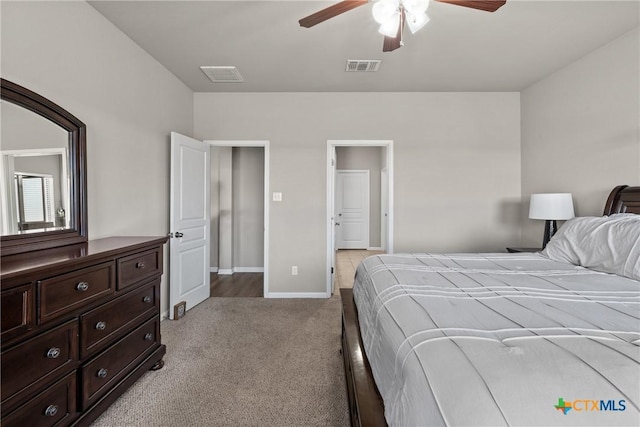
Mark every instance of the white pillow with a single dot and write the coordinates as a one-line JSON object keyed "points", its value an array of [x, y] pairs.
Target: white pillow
{"points": [[609, 243]]}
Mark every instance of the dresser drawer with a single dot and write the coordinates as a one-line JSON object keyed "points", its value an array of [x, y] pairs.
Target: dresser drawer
{"points": [[54, 406], [68, 292], [110, 321], [17, 310], [133, 268], [103, 372], [45, 355]]}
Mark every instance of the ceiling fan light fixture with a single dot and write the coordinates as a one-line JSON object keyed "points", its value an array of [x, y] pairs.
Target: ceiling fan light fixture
{"points": [[388, 12], [384, 10], [416, 22], [389, 28], [416, 7]]}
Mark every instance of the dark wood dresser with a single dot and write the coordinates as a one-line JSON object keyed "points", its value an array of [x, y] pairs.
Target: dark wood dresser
{"points": [[80, 324]]}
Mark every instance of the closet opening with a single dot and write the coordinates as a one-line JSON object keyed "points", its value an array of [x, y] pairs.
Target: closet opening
{"points": [[239, 218]]}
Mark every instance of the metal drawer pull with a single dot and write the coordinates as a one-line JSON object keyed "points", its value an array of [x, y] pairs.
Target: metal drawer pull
{"points": [[102, 373], [140, 265], [101, 326], [53, 353], [82, 286], [146, 299], [148, 337], [51, 410]]}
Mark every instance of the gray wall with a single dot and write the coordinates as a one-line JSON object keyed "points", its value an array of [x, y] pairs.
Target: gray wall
{"points": [[22, 129], [580, 130], [225, 212], [215, 207], [457, 167], [366, 158], [248, 207], [69, 53]]}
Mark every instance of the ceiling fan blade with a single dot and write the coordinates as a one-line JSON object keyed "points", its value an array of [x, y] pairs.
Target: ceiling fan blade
{"points": [[489, 5], [330, 12], [392, 43]]}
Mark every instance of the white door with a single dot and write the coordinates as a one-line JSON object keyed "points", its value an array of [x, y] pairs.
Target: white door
{"points": [[352, 209], [189, 222]]}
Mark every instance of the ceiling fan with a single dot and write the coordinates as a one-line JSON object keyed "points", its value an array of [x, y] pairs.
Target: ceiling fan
{"points": [[393, 14]]}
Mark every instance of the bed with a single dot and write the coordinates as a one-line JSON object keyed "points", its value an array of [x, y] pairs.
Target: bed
{"points": [[499, 339]]}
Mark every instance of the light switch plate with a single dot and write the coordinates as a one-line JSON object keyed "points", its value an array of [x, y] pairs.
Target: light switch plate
{"points": [[277, 197]]}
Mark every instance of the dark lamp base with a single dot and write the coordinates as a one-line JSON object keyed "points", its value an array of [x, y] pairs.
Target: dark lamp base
{"points": [[550, 228]]}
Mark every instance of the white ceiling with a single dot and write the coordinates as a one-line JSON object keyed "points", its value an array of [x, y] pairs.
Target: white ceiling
{"points": [[461, 49]]}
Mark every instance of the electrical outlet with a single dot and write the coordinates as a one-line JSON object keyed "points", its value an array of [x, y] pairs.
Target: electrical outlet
{"points": [[294, 270], [179, 310]]}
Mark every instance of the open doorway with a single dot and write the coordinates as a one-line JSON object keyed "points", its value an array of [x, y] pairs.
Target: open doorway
{"points": [[359, 206], [239, 218]]}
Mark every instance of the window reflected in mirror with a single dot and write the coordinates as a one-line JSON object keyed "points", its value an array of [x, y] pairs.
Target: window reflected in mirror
{"points": [[35, 201]]}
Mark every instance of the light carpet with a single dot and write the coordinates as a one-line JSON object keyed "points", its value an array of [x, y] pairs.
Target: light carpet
{"points": [[244, 362]]}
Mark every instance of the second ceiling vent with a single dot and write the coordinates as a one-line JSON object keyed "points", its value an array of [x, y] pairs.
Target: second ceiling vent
{"points": [[362, 65]]}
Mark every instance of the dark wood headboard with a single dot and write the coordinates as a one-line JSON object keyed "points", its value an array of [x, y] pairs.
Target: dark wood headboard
{"points": [[623, 199]]}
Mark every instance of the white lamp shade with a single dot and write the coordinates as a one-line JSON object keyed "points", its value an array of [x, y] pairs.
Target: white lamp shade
{"points": [[551, 206]]}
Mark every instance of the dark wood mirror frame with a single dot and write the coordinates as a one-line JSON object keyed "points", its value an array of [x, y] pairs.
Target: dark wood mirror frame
{"points": [[20, 243]]}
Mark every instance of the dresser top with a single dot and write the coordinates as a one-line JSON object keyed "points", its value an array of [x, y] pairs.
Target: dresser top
{"points": [[13, 266]]}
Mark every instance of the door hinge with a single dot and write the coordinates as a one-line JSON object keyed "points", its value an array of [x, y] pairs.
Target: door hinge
{"points": [[331, 270]]}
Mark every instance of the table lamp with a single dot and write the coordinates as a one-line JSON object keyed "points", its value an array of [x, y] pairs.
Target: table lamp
{"points": [[551, 207]]}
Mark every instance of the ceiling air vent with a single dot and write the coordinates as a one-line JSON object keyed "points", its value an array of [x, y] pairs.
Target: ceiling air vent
{"points": [[358, 65], [222, 74]]}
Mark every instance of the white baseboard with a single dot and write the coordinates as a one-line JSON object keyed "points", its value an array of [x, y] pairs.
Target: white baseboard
{"points": [[248, 269], [297, 295], [230, 271], [374, 248]]}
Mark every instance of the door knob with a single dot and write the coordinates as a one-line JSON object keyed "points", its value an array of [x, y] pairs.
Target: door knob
{"points": [[179, 234]]}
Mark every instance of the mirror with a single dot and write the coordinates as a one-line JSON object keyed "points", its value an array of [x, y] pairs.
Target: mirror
{"points": [[42, 173]]}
